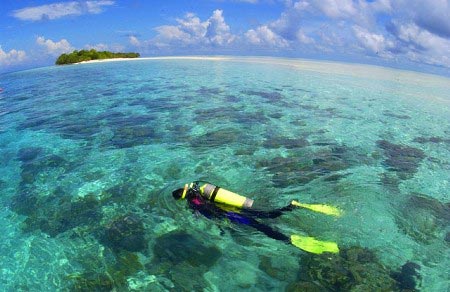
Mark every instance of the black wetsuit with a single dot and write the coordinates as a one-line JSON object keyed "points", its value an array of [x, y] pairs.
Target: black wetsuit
{"points": [[245, 216]]}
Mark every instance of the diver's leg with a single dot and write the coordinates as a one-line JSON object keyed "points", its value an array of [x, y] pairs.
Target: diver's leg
{"points": [[269, 231]]}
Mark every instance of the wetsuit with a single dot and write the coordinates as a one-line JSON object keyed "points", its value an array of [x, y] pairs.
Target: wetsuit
{"points": [[245, 216]]}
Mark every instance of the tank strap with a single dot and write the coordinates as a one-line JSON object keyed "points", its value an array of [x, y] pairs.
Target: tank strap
{"points": [[214, 194]]}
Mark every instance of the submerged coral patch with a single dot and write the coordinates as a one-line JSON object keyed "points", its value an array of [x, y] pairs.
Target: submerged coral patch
{"points": [[288, 143], [402, 159], [125, 233], [423, 140], [353, 269], [217, 138], [269, 96], [126, 137], [424, 218], [395, 115], [55, 213], [183, 259], [297, 170], [29, 153], [31, 168]]}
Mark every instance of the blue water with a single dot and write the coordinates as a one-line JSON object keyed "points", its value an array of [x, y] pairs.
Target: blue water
{"points": [[91, 152]]}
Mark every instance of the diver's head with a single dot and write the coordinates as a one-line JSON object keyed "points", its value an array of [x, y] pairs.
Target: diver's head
{"points": [[180, 193]]}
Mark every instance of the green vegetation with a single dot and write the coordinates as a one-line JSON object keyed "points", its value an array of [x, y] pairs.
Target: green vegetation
{"points": [[85, 55]]}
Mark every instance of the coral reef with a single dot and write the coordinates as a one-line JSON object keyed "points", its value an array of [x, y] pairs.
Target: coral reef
{"points": [[110, 274], [55, 213], [296, 169], [423, 140], [216, 138], [423, 218], [126, 137], [34, 165], [125, 233], [183, 259], [28, 154], [353, 269], [288, 143], [408, 277], [402, 159]]}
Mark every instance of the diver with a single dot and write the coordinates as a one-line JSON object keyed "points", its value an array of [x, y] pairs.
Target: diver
{"points": [[214, 202]]}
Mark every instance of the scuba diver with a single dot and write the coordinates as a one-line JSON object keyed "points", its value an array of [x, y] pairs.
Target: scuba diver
{"points": [[214, 202]]}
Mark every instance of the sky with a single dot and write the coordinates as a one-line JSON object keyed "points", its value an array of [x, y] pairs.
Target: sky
{"points": [[406, 34]]}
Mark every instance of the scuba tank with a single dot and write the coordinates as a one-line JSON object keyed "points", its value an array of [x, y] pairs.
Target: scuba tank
{"points": [[223, 196]]}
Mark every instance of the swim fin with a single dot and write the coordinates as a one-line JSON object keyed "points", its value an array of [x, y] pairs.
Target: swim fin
{"points": [[312, 245], [321, 208]]}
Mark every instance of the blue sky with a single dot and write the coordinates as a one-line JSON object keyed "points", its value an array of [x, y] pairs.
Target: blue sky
{"points": [[410, 34]]}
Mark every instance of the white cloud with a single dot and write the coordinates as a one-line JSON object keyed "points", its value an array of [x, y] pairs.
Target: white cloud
{"points": [[191, 31], [264, 36], [54, 48], [98, 47], [134, 41], [432, 15], [337, 8], [60, 9], [217, 31], [422, 45], [375, 43], [303, 38], [12, 57]]}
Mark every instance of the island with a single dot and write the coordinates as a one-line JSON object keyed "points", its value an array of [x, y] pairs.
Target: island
{"points": [[89, 55]]}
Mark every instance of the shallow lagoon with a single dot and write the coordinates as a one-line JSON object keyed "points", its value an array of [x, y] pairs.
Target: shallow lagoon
{"points": [[91, 152]]}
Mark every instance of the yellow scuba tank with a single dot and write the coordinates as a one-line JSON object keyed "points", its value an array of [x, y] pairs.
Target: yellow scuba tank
{"points": [[220, 195]]}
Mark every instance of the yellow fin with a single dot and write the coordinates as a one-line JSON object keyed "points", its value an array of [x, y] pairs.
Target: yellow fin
{"points": [[312, 245], [321, 208]]}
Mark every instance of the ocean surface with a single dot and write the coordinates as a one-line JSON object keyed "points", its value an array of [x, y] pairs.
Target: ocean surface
{"points": [[90, 154]]}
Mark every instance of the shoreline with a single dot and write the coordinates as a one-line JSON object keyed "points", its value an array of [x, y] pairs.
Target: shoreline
{"points": [[320, 66], [212, 58]]}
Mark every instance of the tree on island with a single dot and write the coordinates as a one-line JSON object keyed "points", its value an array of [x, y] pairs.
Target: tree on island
{"points": [[85, 55]]}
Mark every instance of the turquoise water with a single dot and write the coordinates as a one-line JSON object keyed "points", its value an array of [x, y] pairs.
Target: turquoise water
{"points": [[91, 152]]}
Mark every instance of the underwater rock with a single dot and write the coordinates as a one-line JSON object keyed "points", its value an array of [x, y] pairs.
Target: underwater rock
{"points": [[28, 154], [402, 159], [209, 91], [122, 193], [423, 140], [30, 169], [106, 272], [216, 138], [244, 151], [250, 119], [232, 99], [276, 268], [397, 116], [57, 214], [303, 286], [125, 233], [288, 143], [276, 115], [183, 259], [24, 202], [91, 282], [408, 278], [130, 136], [224, 113], [270, 96], [353, 269], [292, 170], [423, 218], [178, 247]]}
